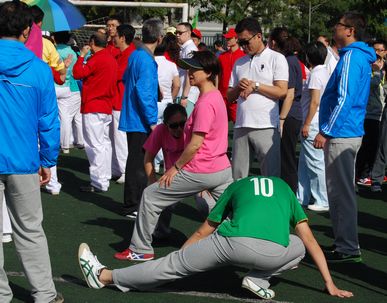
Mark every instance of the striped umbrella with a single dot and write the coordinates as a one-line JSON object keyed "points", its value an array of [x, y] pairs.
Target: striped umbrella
{"points": [[59, 15]]}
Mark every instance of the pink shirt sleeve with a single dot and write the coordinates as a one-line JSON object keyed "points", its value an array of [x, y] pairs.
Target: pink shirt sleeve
{"points": [[154, 141], [204, 118]]}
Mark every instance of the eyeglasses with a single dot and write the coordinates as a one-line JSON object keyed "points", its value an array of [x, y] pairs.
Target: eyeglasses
{"points": [[243, 43], [180, 33], [176, 125], [343, 24]]}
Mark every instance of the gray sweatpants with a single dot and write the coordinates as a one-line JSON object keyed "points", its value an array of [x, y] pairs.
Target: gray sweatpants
{"points": [[266, 145], [264, 258], [340, 157], [155, 199], [25, 211]]}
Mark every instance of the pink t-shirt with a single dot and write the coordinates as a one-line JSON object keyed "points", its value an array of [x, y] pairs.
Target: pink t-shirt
{"points": [[171, 147], [210, 117]]}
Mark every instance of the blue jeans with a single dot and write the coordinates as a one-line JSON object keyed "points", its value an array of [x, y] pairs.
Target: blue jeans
{"points": [[311, 171]]}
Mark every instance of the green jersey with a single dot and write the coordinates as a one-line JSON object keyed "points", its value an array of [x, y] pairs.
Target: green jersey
{"points": [[258, 207]]}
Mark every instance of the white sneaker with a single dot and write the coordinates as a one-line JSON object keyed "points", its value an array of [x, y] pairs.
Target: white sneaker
{"points": [[90, 266], [264, 293], [318, 208], [65, 150], [7, 238], [121, 180]]}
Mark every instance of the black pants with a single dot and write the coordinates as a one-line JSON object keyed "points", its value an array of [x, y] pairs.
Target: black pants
{"points": [[378, 169], [366, 156], [289, 166], [135, 177]]}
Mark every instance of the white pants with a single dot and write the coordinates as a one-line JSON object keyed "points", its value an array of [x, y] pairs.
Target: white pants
{"points": [[98, 148], [69, 104], [7, 227], [120, 146], [54, 186]]}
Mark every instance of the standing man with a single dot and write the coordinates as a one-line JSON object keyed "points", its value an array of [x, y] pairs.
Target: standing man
{"points": [[227, 60], [342, 112], [257, 82], [187, 93], [112, 23], [99, 76], [123, 40], [28, 115], [139, 111]]}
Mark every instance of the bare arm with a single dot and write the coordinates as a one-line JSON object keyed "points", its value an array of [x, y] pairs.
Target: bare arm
{"points": [[206, 229], [314, 103], [306, 235], [149, 167], [245, 87], [187, 155], [175, 86], [288, 101]]}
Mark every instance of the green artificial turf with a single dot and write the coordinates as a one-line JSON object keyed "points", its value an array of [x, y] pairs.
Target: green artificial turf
{"points": [[74, 217]]}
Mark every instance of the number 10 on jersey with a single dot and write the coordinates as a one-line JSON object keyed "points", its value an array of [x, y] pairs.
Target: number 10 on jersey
{"points": [[263, 187]]}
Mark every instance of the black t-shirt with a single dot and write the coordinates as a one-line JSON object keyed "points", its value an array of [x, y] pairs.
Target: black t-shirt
{"points": [[295, 81]]}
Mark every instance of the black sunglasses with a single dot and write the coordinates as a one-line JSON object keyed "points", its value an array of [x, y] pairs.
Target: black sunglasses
{"points": [[243, 43], [176, 125], [343, 24]]}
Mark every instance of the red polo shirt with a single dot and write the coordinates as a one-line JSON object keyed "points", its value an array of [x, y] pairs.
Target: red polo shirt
{"points": [[122, 61], [99, 77], [227, 60], [115, 51]]}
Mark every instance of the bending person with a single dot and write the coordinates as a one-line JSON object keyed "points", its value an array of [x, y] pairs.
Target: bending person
{"points": [[260, 211], [203, 165]]}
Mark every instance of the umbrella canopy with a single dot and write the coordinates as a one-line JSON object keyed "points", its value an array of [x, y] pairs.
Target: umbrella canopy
{"points": [[59, 15]]}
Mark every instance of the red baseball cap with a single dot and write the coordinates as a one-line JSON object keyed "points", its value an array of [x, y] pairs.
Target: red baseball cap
{"points": [[196, 33], [230, 34]]}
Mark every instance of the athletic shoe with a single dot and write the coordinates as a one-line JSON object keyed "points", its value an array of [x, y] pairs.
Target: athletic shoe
{"points": [[7, 238], [132, 215], [385, 179], [376, 187], [318, 208], [90, 266], [90, 189], [364, 181], [264, 293], [130, 255], [121, 180], [58, 299], [79, 146], [54, 193], [338, 257]]}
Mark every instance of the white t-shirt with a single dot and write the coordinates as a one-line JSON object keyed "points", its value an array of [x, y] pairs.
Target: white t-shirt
{"points": [[186, 52], [331, 60], [166, 70], [259, 111], [317, 79]]}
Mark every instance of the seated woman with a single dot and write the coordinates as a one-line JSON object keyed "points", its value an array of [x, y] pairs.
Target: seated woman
{"points": [[203, 165], [261, 211]]}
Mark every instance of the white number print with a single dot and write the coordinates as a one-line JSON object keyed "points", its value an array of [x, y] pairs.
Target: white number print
{"points": [[263, 186]]}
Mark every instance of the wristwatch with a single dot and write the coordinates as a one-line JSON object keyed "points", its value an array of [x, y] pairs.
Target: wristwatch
{"points": [[256, 87]]}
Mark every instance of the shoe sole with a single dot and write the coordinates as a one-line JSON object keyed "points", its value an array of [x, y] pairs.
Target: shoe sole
{"points": [[255, 293], [353, 260], [83, 247]]}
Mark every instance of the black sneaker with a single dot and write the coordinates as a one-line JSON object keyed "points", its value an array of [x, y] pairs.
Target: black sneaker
{"points": [[338, 257]]}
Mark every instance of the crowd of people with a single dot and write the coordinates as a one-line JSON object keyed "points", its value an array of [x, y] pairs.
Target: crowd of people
{"points": [[165, 100]]}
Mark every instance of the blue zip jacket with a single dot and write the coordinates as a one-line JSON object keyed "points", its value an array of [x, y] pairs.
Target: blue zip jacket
{"points": [[28, 111], [344, 102], [139, 105]]}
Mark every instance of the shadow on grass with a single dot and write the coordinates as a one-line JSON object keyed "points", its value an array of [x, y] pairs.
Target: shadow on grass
{"points": [[21, 293]]}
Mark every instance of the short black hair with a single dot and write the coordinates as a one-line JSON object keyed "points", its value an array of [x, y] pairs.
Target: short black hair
{"points": [[378, 41], [115, 17], [316, 53], [250, 24], [357, 21], [99, 39], [127, 31], [218, 43], [291, 46], [279, 35], [62, 37], [15, 17], [37, 13], [187, 25], [209, 62], [173, 109]]}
